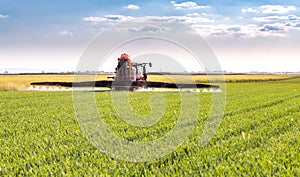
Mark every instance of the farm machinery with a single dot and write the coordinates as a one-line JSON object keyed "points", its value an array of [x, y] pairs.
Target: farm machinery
{"points": [[129, 76]]}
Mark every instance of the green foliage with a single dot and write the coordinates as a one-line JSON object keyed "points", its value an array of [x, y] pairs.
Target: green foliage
{"points": [[259, 135]]}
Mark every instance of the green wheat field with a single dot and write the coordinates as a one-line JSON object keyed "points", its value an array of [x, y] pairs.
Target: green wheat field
{"points": [[258, 136]]}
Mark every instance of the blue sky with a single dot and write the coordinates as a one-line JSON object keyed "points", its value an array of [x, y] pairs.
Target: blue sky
{"points": [[51, 35]]}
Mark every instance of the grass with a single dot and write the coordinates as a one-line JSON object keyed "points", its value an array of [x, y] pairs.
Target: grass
{"points": [[258, 136]]}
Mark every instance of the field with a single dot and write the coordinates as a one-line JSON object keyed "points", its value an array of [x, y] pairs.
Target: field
{"points": [[22, 82], [258, 136]]}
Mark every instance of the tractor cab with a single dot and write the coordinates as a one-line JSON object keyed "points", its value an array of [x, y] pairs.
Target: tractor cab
{"points": [[130, 71]]}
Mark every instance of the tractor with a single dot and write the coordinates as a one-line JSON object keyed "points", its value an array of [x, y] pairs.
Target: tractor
{"points": [[129, 76]]}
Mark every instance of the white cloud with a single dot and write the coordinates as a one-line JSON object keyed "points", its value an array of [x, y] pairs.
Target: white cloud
{"points": [[276, 18], [183, 19], [146, 29], [65, 33], [132, 7], [95, 19], [188, 5], [3, 16], [276, 9], [108, 18], [188, 19], [278, 23], [249, 10], [242, 31], [207, 26], [270, 9], [273, 27], [193, 15]]}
